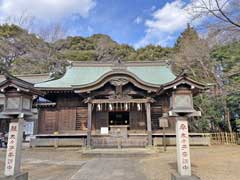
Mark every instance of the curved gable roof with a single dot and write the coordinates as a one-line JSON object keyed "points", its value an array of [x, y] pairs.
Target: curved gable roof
{"points": [[88, 73]]}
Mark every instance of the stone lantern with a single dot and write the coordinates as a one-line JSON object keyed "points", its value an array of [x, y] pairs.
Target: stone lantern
{"points": [[181, 92], [18, 105], [17, 101], [181, 101]]}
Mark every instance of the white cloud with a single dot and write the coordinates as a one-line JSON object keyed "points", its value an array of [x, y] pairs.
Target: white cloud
{"points": [[46, 9], [170, 18], [166, 21], [173, 18], [138, 20]]}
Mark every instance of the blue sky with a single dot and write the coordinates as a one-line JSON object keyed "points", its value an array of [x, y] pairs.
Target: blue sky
{"points": [[134, 22], [122, 20]]}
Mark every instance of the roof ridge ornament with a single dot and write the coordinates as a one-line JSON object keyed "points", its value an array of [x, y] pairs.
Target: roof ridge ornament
{"points": [[183, 73], [119, 65]]}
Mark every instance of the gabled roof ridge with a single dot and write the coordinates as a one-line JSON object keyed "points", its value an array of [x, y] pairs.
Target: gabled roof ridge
{"points": [[119, 63], [31, 74]]}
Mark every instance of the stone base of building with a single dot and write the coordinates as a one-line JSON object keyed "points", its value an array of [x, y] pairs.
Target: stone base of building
{"points": [[20, 176], [178, 177]]}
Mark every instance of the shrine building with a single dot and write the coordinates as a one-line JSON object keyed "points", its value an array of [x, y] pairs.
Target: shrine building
{"points": [[96, 103]]}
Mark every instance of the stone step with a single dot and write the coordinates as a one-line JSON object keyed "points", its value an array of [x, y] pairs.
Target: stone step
{"points": [[110, 142], [119, 153]]}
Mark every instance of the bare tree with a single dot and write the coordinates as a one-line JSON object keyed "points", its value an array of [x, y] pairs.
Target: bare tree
{"points": [[226, 11], [12, 47], [24, 20], [220, 17], [52, 32], [10, 50]]}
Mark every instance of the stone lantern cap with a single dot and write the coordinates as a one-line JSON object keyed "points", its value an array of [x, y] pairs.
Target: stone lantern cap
{"points": [[20, 85], [182, 80]]}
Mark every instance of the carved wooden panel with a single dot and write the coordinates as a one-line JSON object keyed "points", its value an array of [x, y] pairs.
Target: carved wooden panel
{"points": [[81, 118], [67, 119]]}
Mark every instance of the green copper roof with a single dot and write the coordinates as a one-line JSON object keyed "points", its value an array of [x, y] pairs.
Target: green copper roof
{"points": [[153, 74], [82, 75]]}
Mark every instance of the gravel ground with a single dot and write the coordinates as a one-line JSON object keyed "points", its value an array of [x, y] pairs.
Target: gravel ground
{"points": [[209, 163]]}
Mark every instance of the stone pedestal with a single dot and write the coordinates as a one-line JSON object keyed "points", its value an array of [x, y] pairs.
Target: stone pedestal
{"points": [[183, 152], [13, 154], [178, 177], [20, 176]]}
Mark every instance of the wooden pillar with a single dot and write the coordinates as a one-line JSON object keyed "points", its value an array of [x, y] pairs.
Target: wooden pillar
{"points": [[149, 123], [89, 125]]}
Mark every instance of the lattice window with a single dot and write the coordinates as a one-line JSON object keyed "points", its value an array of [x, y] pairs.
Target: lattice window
{"points": [[81, 120]]}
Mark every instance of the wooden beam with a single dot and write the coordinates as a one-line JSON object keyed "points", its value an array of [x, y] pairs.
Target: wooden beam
{"points": [[149, 123], [101, 101], [89, 125]]}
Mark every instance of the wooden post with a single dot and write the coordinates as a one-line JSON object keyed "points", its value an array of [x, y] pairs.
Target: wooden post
{"points": [[222, 139], [226, 135], [149, 123], [89, 125], [164, 139]]}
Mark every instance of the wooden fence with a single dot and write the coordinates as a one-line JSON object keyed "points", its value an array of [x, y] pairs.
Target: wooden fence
{"points": [[225, 138]]}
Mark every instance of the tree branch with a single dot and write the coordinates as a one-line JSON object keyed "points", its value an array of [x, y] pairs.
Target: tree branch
{"points": [[225, 16]]}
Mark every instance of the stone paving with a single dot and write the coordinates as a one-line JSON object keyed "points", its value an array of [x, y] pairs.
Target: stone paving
{"points": [[110, 169]]}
